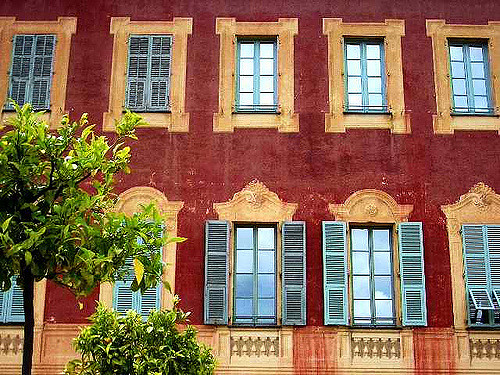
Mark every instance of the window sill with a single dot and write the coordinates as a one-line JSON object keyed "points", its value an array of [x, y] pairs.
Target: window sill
{"points": [[447, 123], [285, 122], [173, 121], [370, 113], [474, 114]]}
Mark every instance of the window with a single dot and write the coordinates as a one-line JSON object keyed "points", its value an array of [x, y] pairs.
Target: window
{"points": [[256, 76], [464, 60], [372, 276], [255, 275], [481, 245], [365, 86], [35, 67], [152, 55], [11, 305], [470, 77], [148, 81], [365, 73]]}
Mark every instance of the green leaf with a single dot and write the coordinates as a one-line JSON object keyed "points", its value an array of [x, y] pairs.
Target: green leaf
{"points": [[28, 258], [139, 270], [6, 223]]}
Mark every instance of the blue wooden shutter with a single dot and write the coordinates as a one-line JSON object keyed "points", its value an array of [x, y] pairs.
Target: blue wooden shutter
{"points": [[216, 271], [123, 297], [16, 306], [149, 300], [42, 71], [160, 73], [138, 56], [3, 297], [20, 70], [493, 235], [294, 272], [335, 272], [411, 264]]}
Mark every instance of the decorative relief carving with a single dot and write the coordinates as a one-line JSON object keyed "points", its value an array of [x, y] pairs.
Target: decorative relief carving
{"points": [[371, 209], [484, 348], [381, 347], [254, 193], [11, 344], [255, 346]]}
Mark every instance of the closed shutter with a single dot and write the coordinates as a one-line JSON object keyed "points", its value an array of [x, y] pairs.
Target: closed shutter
{"points": [[16, 308], [476, 268], [335, 272], [21, 66], [149, 300], [294, 272], [123, 297], [216, 271], [138, 55], [160, 73], [42, 71], [3, 297], [411, 263]]}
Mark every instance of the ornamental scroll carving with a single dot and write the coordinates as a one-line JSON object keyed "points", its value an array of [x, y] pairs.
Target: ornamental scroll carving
{"points": [[255, 346], [484, 348], [376, 347], [11, 344]]}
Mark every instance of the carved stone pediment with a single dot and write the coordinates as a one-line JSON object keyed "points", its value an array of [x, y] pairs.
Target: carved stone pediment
{"points": [[255, 202], [371, 205], [479, 205]]}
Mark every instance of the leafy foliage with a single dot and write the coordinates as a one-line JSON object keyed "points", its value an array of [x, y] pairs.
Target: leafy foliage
{"points": [[56, 206], [115, 344]]}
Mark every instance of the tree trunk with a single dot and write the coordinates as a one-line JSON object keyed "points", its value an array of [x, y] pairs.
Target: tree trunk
{"points": [[29, 320]]}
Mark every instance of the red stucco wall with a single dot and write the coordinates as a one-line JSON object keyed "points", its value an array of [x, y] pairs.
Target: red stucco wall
{"points": [[311, 168]]}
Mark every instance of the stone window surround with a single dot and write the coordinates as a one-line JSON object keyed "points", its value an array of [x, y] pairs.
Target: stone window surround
{"points": [[444, 122], [177, 120], [63, 29], [336, 120], [286, 120]]}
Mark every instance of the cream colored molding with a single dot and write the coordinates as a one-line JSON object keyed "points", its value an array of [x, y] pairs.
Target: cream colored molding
{"points": [[440, 32], [286, 120], [63, 28], [122, 27], [398, 121], [257, 204], [481, 205], [130, 201]]}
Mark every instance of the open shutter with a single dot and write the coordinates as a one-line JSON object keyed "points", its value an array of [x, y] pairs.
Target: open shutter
{"points": [[216, 271], [20, 71], [160, 73], [138, 55], [3, 297], [493, 242], [16, 306], [411, 265], [335, 272], [294, 272], [42, 71]]}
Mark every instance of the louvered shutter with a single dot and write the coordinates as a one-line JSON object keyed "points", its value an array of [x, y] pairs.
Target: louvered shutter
{"points": [[216, 271], [123, 297], [3, 297], [15, 312], [42, 71], [160, 73], [138, 56], [493, 235], [411, 265], [20, 70], [476, 268], [294, 272], [335, 272], [149, 300]]}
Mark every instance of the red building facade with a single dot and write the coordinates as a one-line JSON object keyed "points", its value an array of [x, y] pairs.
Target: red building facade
{"points": [[312, 153]]}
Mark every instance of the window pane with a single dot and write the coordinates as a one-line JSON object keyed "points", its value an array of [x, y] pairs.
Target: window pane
{"points": [[266, 307], [461, 103], [354, 67], [244, 307], [381, 239], [353, 51], [266, 261], [456, 53], [244, 261], [481, 102], [476, 53], [359, 239], [384, 309], [246, 67], [459, 87], [479, 86], [373, 51], [267, 84], [361, 286], [355, 100], [382, 262], [373, 68], [266, 238], [375, 85], [246, 99], [375, 100], [244, 286], [457, 70], [267, 99], [362, 309], [267, 50], [477, 70], [246, 84], [246, 50], [383, 287], [266, 66], [266, 286], [360, 263], [244, 238], [354, 84]]}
